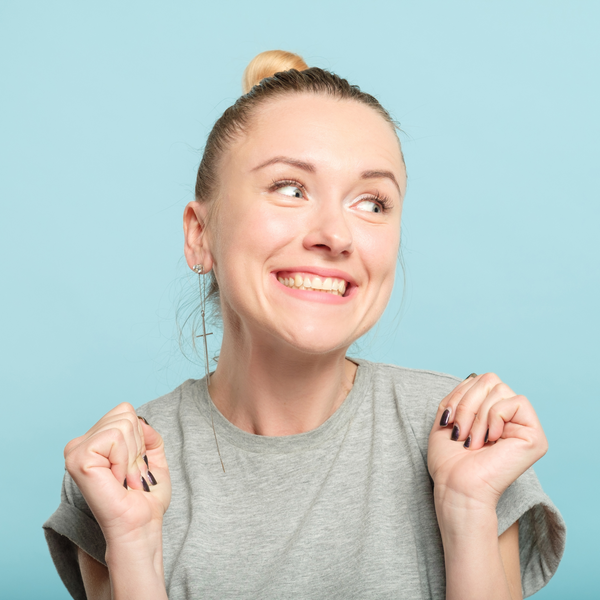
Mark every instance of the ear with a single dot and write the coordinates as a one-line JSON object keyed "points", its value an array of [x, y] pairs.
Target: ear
{"points": [[196, 239]]}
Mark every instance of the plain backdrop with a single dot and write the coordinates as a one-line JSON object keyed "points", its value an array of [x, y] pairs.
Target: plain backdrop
{"points": [[104, 110]]}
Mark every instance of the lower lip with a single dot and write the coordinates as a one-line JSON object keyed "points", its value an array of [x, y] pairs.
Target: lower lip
{"points": [[314, 296]]}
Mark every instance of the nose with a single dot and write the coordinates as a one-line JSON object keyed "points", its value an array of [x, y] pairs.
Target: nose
{"points": [[329, 231]]}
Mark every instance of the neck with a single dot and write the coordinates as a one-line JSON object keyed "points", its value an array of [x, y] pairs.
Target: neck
{"points": [[266, 389]]}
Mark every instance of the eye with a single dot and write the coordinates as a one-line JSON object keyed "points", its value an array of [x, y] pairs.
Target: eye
{"points": [[374, 204], [368, 206], [293, 189]]}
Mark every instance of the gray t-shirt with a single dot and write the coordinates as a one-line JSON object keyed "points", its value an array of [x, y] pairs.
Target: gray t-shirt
{"points": [[343, 511]]}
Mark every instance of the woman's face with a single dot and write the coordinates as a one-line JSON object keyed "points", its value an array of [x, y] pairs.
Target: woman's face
{"points": [[311, 197]]}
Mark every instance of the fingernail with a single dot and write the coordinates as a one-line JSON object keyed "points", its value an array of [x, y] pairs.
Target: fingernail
{"points": [[467, 442], [445, 417], [145, 485], [487, 435], [455, 433], [146, 460], [471, 375], [125, 483], [151, 479], [142, 418]]}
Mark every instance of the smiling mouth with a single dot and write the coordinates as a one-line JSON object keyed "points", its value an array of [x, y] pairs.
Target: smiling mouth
{"points": [[327, 285]]}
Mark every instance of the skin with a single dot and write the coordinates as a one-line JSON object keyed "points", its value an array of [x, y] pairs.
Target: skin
{"points": [[282, 368]]}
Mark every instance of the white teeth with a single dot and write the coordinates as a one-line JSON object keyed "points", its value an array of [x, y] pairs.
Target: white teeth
{"points": [[328, 285]]}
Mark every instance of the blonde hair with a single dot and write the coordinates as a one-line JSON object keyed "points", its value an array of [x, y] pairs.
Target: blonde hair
{"points": [[266, 64]]}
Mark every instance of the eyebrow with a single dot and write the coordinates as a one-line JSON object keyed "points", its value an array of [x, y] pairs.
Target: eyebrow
{"points": [[310, 168]]}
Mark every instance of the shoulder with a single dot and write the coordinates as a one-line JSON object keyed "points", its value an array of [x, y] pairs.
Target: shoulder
{"points": [[414, 393], [418, 380], [411, 387], [168, 406]]}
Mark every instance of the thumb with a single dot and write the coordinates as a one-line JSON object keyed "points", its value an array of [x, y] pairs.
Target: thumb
{"points": [[153, 443], [152, 439]]}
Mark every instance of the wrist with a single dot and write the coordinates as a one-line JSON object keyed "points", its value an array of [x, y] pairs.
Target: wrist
{"points": [[140, 549], [461, 515]]}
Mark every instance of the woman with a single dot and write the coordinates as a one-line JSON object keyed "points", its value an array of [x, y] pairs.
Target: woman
{"points": [[292, 470]]}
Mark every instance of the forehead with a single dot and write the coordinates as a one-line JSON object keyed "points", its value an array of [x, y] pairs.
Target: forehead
{"points": [[342, 135]]}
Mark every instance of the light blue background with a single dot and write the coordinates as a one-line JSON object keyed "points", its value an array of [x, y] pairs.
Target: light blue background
{"points": [[104, 108]]}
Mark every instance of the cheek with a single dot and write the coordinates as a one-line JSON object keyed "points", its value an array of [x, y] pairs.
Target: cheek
{"points": [[379, 250], [248, 233]]}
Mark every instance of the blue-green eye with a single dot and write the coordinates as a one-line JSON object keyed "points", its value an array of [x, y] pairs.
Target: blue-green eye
{"points": [[296, 192], [288, 187], [369, 206]]}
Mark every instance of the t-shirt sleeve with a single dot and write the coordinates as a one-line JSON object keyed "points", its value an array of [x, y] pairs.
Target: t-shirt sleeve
{"points": [[73, 525], [542, 530]]}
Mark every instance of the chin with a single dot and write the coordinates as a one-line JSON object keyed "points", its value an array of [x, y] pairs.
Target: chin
{"points": [[318, 341]]}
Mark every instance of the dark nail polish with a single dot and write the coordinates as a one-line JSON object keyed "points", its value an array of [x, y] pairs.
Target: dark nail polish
{"points": [[467, 442], [142, 418], [151, 479], [145, 485], [445, 417], [146, 460], [125, 483], [471, 375], [487, 435], [455, 433]]}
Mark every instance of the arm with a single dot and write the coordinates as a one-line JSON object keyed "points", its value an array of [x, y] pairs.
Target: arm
{"points": [[126, 582], [472, 548], [110, 464], [509, 551], [96, 580], [495, 438]]}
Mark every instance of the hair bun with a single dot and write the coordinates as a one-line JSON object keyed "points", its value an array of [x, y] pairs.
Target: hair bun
{"points": [[266, 64]]}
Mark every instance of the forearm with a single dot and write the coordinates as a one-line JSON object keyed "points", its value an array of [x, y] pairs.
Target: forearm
{"points": [[474, 567], [136, 568]]}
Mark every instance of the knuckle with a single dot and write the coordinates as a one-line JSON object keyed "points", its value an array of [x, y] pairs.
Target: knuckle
{"points": [[71, 446], [125, 425], [503, 389], [462, 410], [70, 463], [125, 407], [493, 412], [490, 378]]}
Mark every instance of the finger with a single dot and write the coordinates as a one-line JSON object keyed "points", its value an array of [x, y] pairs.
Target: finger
{"points": [[155, 454], [478, 435], [128, 425], [521, 440], [446, 408], [515, 418], [469, 405], [99, 463], [123, 411]]}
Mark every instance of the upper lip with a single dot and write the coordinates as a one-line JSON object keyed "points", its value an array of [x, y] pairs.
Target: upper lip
{"points": [[321, 272]]}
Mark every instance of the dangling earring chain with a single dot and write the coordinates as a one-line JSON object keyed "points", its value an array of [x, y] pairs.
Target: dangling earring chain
{"points": [[202, 284]]}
